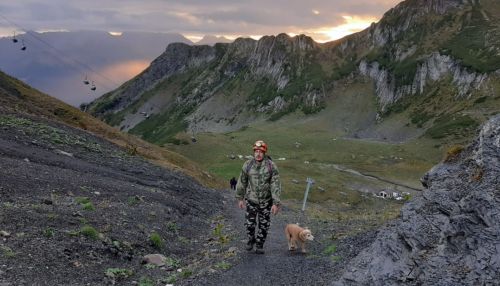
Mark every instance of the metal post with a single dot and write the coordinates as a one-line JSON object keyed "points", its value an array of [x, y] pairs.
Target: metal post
{"points": [[309, 183]]}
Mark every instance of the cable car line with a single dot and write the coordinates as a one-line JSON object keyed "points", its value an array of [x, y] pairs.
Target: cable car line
{"points": [[62, 56]]}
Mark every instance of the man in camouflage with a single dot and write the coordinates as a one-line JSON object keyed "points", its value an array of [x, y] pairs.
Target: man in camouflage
{"points": [[258, 189]]}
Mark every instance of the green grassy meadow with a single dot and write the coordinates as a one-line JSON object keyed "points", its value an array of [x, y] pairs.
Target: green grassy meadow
{"points": [[315, 153]]}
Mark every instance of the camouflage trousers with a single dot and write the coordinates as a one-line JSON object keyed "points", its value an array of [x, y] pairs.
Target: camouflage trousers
{"points": [[260, 213]]}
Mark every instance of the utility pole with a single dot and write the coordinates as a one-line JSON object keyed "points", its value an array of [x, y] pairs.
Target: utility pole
{"points": [[309, 181]]}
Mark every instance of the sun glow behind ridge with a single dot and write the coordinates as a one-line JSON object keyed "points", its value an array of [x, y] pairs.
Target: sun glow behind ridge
{"points": [[352, 25]]}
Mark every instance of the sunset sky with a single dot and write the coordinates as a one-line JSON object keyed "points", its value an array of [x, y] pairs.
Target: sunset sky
{"points": [[323, 20], [55, 66]]}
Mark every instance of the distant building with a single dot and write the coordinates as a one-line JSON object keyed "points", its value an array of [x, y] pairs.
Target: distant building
{"points": [[383, 194]]}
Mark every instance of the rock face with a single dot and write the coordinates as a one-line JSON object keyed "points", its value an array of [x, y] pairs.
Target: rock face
{"points": [[450, 234], [410, 12], [434, 68]]}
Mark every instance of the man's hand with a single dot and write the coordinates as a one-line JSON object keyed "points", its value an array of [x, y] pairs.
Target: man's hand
{"points": [[241, 204], [275, 209]]}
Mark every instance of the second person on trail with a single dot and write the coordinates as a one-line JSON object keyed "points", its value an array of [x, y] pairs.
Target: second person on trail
{"points": [[258, 189]]}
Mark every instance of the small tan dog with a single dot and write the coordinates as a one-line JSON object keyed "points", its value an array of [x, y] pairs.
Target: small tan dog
{"points": [[296, 234]]}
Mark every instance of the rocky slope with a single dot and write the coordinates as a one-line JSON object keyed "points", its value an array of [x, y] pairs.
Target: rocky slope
{"points": [[449, 235], [80, 206], [78, 210], [419, 49]]}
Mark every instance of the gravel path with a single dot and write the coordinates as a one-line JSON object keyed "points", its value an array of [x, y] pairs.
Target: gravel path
{"points": [[278, 266]]}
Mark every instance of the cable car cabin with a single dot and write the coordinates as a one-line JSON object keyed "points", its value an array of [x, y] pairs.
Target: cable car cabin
{"points": [[14, 39], [93, 86], [23, 48], [86, 81]]}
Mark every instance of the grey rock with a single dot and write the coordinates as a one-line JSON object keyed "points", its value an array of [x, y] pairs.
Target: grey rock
{"points": [[434, 68], [155, 259], [450, 234]]}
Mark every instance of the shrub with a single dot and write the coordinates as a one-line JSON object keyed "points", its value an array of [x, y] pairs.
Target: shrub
{"points": [[85, 203], [330, 249], [453, 152], [170, 279], [156, 240], [173, 227], [217, 232], [7, 251], [133, 200], [89, 231], [88, 206], [82, 200], [223, 265], [145, 281], [118, 273], [186, 273], [48, 232]]}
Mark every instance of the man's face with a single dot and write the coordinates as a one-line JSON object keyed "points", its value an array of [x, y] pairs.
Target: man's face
{"points": [[258, 155]]}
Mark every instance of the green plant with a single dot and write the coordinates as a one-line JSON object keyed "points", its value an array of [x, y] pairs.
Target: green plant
{"points": [[7, 251], [170, 279], [184, 240], [82, 200], [407, 197], [133, 201], [151, 266], [186, 273], [8, 205], [145, 281], [88, 206], [336, 258], [173, 227], [330, 249], [89, 231], [453, 152], [51, 216], [48, 232], [118, 273], [85, 203], [172, 262], [223, 265], [156, 240], [217, 232]]}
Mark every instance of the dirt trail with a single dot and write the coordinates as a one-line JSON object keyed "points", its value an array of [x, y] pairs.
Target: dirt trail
{"points": [[278, 266]]}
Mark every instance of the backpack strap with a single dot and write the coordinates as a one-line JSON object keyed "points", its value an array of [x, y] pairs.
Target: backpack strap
{"points": [[249, 166]]}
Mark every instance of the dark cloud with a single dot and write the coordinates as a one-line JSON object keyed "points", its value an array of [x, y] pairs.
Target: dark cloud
{"points": [[188, 16]]}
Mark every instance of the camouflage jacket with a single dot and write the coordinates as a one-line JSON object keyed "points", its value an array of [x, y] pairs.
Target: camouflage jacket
{"points": [[261, 183]]}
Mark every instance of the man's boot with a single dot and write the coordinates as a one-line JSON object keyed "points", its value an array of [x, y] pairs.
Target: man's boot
{"points": [[259, 249], [250, 244]]}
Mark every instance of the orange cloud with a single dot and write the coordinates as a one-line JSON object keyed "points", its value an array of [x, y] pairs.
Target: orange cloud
{"points": [[352, 24], [123, 71]]}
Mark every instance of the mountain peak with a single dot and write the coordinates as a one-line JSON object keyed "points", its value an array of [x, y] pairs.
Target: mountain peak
{"points": [[211, 40], [436, 6]]}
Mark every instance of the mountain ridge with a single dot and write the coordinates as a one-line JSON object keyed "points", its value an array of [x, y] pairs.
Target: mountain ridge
{"points": [[279, 75]]}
